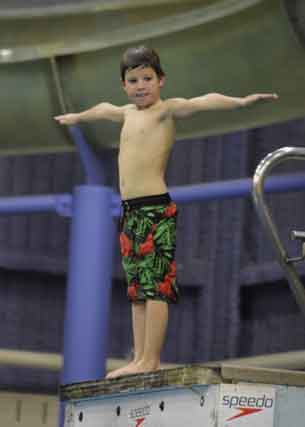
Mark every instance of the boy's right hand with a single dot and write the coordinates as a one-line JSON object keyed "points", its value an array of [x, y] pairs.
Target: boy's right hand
{"points": [[67, 119]]}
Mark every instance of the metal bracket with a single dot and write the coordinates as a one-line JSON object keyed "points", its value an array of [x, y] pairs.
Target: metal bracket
{"points": [[298, 235]]}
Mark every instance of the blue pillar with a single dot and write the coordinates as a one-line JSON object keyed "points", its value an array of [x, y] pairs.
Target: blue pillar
{"points": [[89, 285], [94, 170]]}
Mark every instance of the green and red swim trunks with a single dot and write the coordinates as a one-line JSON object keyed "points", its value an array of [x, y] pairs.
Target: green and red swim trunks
{"points": [[148, 244]]}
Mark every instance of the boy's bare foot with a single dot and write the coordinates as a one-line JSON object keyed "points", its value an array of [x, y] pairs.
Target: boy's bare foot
{"points": [[119, 372], [134, 368]]}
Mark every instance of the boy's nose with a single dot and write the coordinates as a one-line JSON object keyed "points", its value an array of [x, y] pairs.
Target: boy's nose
{"points": [[141, 84]]}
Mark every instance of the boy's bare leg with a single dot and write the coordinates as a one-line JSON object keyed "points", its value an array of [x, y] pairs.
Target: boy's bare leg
{"points": [[156, 317], [138, 327], [155, 331], [155, 321]]}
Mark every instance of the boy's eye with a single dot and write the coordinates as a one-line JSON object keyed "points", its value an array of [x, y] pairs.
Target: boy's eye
{"points": [[132, 81], [147, 79]]}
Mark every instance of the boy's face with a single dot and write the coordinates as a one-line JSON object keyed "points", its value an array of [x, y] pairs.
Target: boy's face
{"points": [[143, 86]]}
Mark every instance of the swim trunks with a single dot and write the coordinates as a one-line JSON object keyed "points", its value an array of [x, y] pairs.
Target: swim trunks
{"points": [[148, 244]]}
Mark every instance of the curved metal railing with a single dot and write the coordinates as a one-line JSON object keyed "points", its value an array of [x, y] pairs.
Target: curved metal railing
{"points": [[267, 164]]}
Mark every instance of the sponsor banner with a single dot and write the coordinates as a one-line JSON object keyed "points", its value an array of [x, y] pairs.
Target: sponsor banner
{"points": [[177, 407], [246, 405], [191, 407]]}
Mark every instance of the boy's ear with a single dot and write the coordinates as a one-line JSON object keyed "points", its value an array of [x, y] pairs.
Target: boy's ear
{"points": [[123, 84], [162, 81]]}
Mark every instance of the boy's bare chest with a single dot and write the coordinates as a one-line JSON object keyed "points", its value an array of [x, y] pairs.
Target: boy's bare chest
{"points": [[144, 125], [139, 126]]}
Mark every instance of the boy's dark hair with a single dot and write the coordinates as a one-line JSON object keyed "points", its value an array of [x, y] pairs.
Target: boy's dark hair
{"points": [[140, 56]]}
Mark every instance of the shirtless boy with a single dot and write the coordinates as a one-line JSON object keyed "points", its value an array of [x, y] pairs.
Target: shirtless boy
{"points": [[148, 222]]}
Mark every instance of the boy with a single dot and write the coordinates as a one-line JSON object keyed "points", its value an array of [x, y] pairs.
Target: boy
{"points": [[148, 222]]}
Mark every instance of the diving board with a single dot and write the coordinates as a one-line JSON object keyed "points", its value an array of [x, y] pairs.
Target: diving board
{"points": [[214, 395]]}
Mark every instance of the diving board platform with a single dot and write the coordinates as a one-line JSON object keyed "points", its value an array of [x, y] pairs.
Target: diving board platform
{"points": [[214, 395]]}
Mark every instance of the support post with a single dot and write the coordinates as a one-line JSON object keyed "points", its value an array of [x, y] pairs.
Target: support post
{"points": [[89, 284], [94, 170]]}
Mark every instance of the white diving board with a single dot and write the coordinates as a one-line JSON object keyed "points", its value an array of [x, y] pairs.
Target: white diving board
{"points": [[214, 395]]}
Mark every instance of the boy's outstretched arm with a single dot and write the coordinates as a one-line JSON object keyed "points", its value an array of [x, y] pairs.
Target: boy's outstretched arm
{"points": [[101, 111], [181, 107]]}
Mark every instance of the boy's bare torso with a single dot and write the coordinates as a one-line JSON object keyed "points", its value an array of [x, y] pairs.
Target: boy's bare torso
{"points": [[147, 137]]}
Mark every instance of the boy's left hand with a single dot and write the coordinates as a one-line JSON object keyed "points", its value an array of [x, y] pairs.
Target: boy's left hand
{"points": [[251, 99]]}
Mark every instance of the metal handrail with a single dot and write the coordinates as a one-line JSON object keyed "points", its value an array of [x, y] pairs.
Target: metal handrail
{"points": [[266, 165]]}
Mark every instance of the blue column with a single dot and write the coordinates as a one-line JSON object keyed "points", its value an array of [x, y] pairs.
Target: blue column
{"points": [[94, 167], [89, 284]]}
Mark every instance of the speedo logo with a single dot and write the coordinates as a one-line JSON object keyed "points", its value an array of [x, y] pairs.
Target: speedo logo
{"points": [[232, 401]]}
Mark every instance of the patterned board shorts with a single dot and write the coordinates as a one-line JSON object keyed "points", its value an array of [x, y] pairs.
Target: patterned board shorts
{"points": [[148, 244]]}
